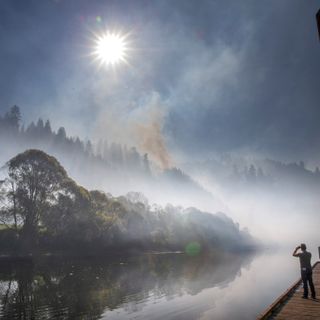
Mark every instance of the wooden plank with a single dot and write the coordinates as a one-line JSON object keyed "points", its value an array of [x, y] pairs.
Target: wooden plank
{"points": [[291, 306]]}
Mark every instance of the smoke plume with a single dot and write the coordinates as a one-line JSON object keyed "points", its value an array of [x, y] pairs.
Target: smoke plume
{"points": [[140, 124], [150, 137]]}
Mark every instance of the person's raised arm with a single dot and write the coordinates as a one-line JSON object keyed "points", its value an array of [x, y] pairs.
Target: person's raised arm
{"points": [[295, 254]]}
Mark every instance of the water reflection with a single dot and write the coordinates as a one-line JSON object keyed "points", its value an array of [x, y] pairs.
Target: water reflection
{"points": [[88, 288]]}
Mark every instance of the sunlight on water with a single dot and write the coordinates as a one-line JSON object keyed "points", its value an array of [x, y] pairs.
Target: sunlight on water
{"points": [[241, 295], [171, 286]]}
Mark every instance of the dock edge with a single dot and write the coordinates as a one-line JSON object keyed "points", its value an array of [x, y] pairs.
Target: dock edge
{"points": [[281, 300]]}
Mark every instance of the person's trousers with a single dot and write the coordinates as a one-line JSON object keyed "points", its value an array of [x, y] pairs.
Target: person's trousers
{"points": [[306, 276]]}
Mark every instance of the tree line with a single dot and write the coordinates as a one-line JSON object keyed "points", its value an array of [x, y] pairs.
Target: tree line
{"points": [[238, 173], [104, 165], [42, 208], [37, 134]]}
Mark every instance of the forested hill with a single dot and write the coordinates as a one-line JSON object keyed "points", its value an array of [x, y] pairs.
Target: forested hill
{"points": [[103, 165], [237, 175], [43, 209]]}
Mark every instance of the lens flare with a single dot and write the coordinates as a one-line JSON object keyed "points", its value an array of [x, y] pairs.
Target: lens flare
{"points": [[193, 249]]}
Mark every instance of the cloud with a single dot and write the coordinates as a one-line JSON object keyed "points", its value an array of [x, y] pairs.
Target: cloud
{"points": [[208, 74], [251, 87]]}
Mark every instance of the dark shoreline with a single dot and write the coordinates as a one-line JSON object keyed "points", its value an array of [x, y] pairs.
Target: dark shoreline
{"points": [[30, 257], [109, 254]]}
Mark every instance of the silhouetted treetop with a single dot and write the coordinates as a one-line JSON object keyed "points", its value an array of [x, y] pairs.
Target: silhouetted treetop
{"points": [[13, 116]]}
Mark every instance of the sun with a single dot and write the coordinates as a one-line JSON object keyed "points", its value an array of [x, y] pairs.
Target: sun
{"points": [[110, 48]]}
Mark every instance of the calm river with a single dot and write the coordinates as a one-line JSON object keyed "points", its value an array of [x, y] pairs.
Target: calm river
{"points": [[160, 286]]}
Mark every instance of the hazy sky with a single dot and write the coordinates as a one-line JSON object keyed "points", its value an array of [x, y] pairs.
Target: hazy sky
{"points": [[224, 75]]}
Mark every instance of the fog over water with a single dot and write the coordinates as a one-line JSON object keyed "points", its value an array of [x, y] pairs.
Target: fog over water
{"points": [[166, 286]]}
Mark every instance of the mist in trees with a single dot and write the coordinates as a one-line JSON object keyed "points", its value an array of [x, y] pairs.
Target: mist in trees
{"points": [[41, 134], [46, 210], [277, 201], [250, 190], [105, 165]]}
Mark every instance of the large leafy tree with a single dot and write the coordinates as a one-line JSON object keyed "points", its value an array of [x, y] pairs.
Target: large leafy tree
{"points": [[35, 182], [39, 196]]}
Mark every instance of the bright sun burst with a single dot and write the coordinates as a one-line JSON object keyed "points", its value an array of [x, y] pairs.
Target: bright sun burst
{"points": [[111, 48]]}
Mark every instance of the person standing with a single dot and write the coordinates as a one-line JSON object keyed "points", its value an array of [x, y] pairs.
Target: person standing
{"points": [[306, 270]]}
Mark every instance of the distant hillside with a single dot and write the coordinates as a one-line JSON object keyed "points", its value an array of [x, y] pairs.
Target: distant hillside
{"points": [[238, 174], [103, 165]]}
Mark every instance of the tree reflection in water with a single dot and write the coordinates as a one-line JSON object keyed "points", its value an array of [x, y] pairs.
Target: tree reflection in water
{"points": [[85, 288]]}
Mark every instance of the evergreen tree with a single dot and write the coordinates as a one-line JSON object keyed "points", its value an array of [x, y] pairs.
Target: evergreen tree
{"points": [[13, 117], [89, 148], [47, 128], [40, 125], [146, 164], [31, 130], [61, 134], [78, 145]]}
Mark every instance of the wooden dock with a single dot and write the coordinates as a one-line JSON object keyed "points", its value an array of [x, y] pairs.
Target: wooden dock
{"points": [[290, 305]]}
